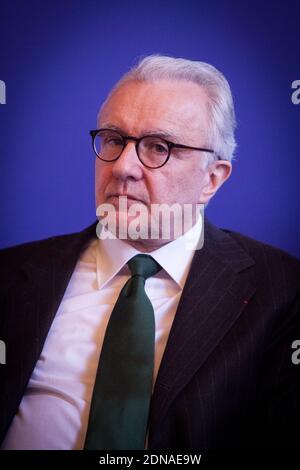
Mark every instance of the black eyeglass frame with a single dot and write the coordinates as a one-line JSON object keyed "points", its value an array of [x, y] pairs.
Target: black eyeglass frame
{"points": [[137, 141]]}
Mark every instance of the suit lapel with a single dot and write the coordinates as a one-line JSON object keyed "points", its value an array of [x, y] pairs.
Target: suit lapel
{"points": [[214, 296], [32, 302]]}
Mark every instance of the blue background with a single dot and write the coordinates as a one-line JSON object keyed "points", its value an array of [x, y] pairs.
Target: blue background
{"points": [[60, 58]]}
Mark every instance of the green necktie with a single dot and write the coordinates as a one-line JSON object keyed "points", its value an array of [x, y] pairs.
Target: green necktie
{"points": [[122, 392]]}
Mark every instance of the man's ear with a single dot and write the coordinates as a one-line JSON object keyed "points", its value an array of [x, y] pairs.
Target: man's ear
{"points": [[217, 173]]}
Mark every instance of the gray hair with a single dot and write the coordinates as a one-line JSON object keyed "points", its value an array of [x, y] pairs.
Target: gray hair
{"points": [[222, 122]]}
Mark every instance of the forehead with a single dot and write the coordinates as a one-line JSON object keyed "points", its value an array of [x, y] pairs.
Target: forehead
{"points": [[176, 106]]}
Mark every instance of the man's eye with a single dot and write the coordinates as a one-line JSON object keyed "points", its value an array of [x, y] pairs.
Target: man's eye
{"points": [[157, 147], [112, 141], [160, 148]]}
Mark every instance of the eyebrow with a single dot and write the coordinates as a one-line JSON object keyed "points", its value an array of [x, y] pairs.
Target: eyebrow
{"points": [[157, 132]]}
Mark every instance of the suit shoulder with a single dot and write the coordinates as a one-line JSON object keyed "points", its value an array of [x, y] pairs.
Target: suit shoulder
{"points": [[23, 250], [263, 252], [13, 257]]}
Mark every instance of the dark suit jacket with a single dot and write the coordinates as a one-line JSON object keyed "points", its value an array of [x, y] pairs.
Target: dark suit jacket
{"points": [[226, 379]]}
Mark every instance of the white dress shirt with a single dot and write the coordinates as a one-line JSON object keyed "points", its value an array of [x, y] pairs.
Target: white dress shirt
{"points": [[54, 411]]}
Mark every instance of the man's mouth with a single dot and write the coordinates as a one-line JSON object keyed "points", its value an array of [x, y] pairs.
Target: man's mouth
{"points": [[129, 197]]}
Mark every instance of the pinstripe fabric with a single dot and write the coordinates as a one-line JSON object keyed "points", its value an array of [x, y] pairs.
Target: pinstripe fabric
{"points": [[226, 379]]}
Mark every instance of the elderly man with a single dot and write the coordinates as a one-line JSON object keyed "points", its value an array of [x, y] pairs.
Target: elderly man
{"points": [[119, 337]]}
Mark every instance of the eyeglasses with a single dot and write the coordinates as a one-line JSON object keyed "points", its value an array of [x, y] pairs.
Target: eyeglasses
{"points": [[152, 150]]}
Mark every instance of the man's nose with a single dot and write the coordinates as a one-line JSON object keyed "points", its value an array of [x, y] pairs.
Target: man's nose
{"points": [[128, 164]]}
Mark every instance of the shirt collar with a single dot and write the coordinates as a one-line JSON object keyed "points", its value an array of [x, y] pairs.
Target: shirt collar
{"points": [[113, 254]]}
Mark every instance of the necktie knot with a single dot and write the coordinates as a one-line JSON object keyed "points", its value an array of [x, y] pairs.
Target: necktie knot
{"points": [[143, 265]]}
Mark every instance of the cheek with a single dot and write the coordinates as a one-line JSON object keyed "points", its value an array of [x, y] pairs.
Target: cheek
{"points": [[102, 178], [184, 185]]}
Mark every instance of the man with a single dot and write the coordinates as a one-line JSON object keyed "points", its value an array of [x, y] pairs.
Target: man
{"points": [[226, 312]]}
